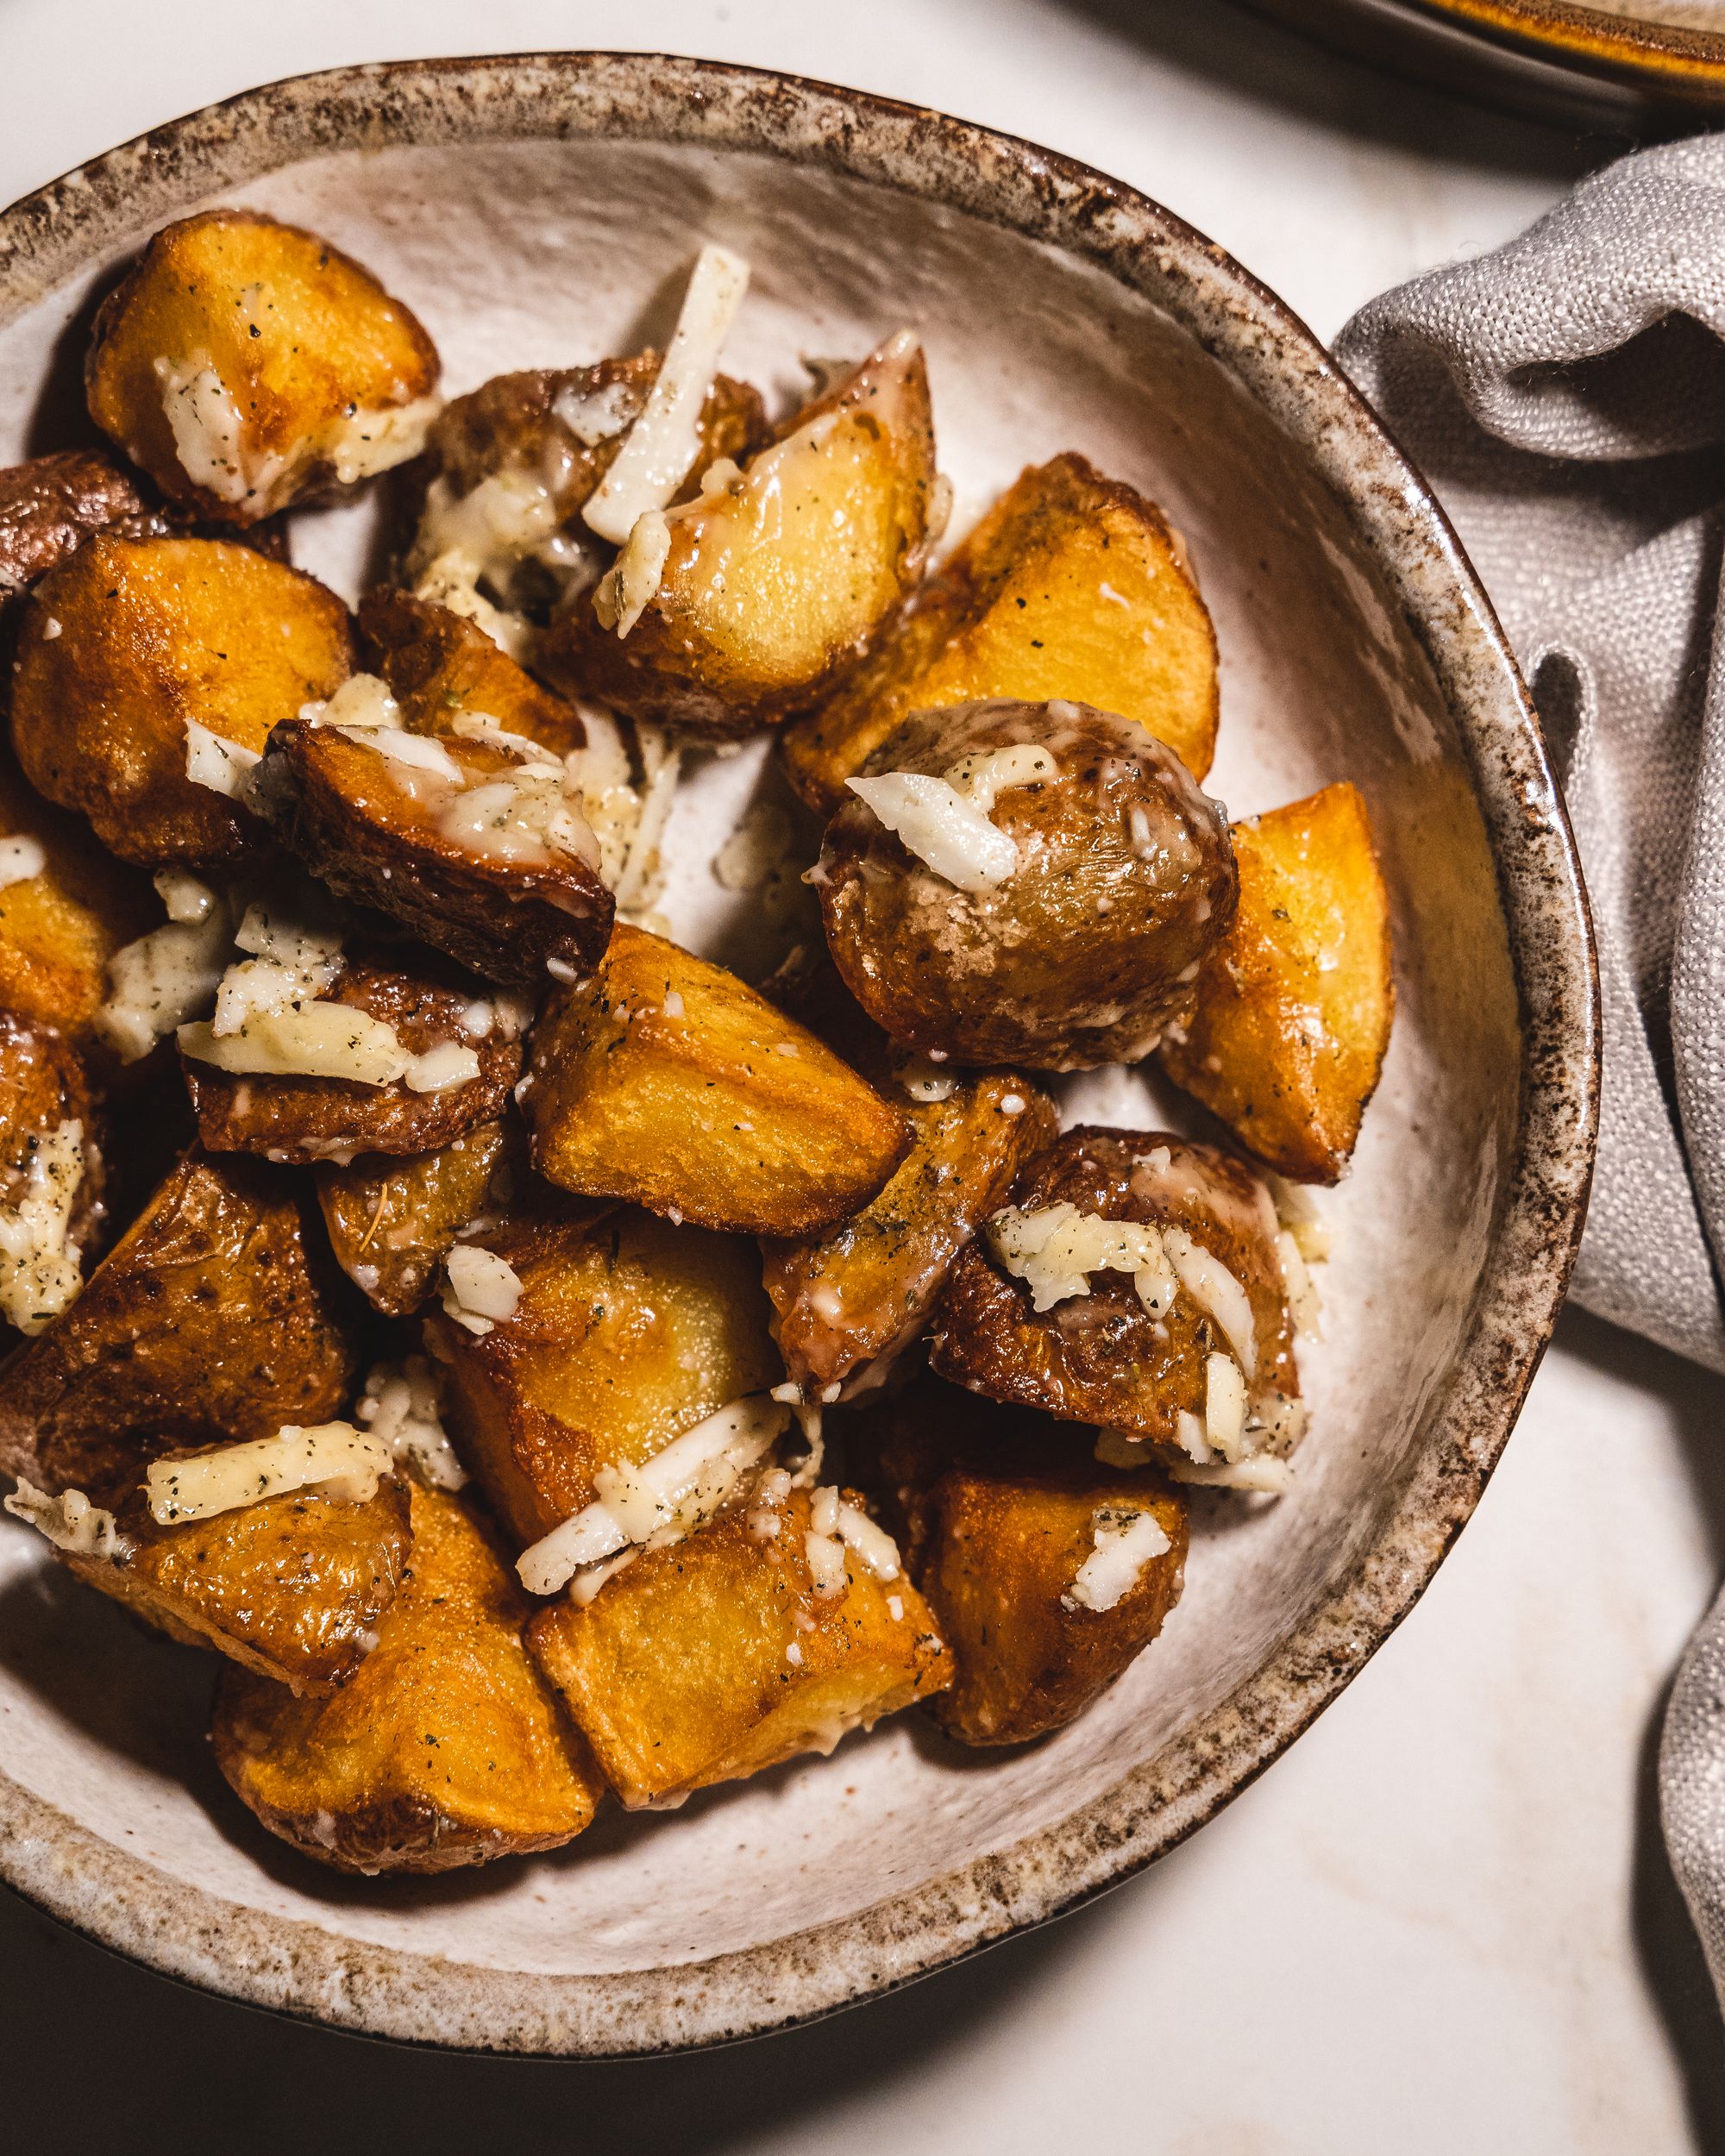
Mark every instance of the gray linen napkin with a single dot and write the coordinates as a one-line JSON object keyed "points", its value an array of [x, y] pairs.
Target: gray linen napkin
{"points": [[1566, 397]]}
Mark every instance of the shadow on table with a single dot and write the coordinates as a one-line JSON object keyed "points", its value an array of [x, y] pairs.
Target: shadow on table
{"points": [[1672, 1965]]}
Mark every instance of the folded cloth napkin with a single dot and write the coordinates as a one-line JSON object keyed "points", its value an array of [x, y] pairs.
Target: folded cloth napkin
{"points": [[1566, 397]]}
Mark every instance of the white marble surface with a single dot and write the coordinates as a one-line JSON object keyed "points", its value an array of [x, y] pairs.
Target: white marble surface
{"points": [[1441, 1923]]}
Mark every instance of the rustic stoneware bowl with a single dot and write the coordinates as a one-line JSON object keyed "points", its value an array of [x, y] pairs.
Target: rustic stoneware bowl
{"points": [[537, 210]]}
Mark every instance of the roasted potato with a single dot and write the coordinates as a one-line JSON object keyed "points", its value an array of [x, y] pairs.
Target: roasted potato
{"points": [[1288, 1037], [391, 1223], [1072, 586], [444, 1748], [246, 365], [215, 1316], [1135, 1352], [715, 1658], [292, 1588], [628, 1333], [668, 1082], [1082, 877], [50, 505], [999, 1514], [50, 1172], [300, 1120], [775, 577], [482, 852], [440, 666], [131, 641]]}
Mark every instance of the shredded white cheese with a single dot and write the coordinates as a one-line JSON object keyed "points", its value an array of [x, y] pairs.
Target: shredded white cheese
{"points": [[21, 858], [39, 1263], [595, 415], [209, 433], [1125, 1540], [400, 1409], [157, 982], [443, 1068], [417, 752], [1053, 1248], [368, 440], [987, 774], [306, 1040], [1263, 1475], [664, 441], [1216, 1291], [186, 900], [630, 585], [70, 1521], [345, 1463], [1224, 1406], [940, 827], [291, 960], [218, 763], [480, 1289]]}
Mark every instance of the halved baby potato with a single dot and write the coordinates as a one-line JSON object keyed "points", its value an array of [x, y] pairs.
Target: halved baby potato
{"points": [[1025, 883], [716, 1658], [129, 642], [1195, 1355], [1048, 1575], [292, 1588], [50, 505], [298, 1120], [391, 1223], [477, 847], [668, 1081], [1073, 587], [1287, 1039], [770, 584], [628, 1331], [246, 365], [440, 666], [216, 1316], [444, 1748]]}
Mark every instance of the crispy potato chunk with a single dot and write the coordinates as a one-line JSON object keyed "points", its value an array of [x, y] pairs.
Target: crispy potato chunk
{"points": [[670, 1082], [439, 665], [1072, 586], [391, 1223], [1079, 946], [714, 1659], [444, 1749], [300, 1121], [1287, 1038], [124, 644], [215, 1317], [628, 1333], [50, 505], [44, 1095], [292, 1588], [246, 365], [997, 1514], [1103, 1357], [776, 578], [493, 865]]}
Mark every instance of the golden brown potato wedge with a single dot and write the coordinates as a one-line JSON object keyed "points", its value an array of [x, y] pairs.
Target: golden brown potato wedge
{"points": [[300, 1121], [1072, 586], [715, 1658], [391, 1223], [444, 1748], [130, 641], [246, 365], [60, 927], [1292, 1021], [776, 578], [50, 505], [485, 856], [1100, 1353], [215, 1316], [999, 1514], [1064, 924], [441, 665], [628, 1333], [50, 1172], [292, 1588], [668, 1081]]}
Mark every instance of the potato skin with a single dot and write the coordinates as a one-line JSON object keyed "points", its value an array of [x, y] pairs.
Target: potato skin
{"points": [[760, 608], [1287, 1038], [438, 663], [678, 1673], [726, 1114], [344, 810], [444, 1749], [152, 633], [1125, 879], [292, 1588], [1073, 586], [391, 1223], [302, 1121], [300, 335], [994, 1510], [1102, 1358], [216, 1316], [628, 1333], [50, 505]]}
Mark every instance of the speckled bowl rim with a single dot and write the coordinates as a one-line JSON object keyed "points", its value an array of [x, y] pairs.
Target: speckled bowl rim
{"points": [[308, 1970]]}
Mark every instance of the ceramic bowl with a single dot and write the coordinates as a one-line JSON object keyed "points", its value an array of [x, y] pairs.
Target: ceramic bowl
{"points": [[537, 210]]}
